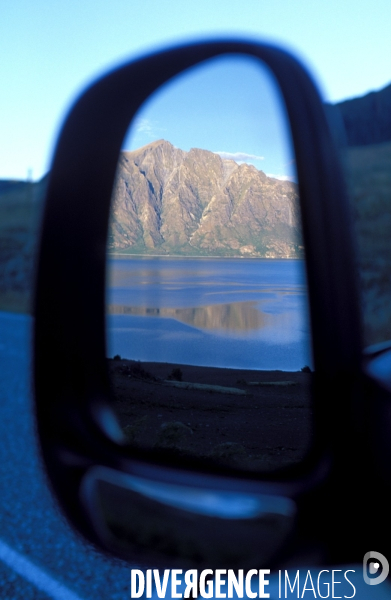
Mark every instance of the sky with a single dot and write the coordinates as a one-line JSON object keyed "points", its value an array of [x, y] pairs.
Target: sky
{"points": [[230, 105], [49, 51]]}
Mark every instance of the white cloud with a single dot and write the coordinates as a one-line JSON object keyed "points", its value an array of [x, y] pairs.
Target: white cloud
{"points": [[147, 128], [239, 156], [143, 126], [282, 177]]}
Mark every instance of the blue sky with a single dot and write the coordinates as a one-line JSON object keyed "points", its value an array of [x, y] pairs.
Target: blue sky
{"points": [[50, 50], [229, 105]]}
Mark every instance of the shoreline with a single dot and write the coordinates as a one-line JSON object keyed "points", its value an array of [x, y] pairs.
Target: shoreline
{"points": [[156, 364], [131, 255]]}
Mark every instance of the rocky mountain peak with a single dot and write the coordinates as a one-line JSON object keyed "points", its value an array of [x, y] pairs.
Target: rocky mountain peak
{"points": [[168, 201]]}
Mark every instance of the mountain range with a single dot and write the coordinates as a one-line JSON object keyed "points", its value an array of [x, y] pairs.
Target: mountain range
{"points": [[367, 119], [168, 201]]}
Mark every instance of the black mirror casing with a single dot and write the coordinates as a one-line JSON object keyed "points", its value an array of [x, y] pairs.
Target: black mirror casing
{"points": [[76, 426]]}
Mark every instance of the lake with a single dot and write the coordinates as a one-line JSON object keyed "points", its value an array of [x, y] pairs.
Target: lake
{"points": [[224, 312]]}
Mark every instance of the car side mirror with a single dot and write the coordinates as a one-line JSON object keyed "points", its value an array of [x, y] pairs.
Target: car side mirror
{"points": [[142, 504]]}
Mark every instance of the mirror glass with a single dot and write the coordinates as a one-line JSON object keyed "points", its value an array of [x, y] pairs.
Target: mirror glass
{"points": [[208, 338]]}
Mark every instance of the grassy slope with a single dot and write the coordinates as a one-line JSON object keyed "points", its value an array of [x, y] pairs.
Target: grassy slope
{"points": [[20, 208], [369, 172]]}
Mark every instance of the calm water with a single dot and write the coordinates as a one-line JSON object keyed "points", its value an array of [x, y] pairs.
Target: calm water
{"points": [[221, 312]]}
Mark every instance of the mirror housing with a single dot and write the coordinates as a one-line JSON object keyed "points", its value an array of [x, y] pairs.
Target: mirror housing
{"points": [[81, 442]]}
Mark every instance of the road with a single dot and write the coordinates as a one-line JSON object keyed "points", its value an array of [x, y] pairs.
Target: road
{"points": [[30, 522], [40, 555]]}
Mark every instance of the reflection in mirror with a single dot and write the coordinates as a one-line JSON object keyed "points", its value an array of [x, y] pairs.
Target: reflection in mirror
{"points": [[207, 321]]}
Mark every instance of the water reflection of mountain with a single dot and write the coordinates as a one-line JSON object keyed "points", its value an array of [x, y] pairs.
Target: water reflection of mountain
{"points": [[235, 316]]}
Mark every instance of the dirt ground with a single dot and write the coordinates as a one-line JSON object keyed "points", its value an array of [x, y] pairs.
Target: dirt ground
{"points": [[266, 427]]}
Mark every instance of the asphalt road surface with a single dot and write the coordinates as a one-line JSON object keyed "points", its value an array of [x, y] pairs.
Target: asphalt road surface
{"points": [[40, 555]]}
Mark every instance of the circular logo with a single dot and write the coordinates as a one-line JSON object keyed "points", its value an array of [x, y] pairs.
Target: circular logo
{"points": [[374, 563]]}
